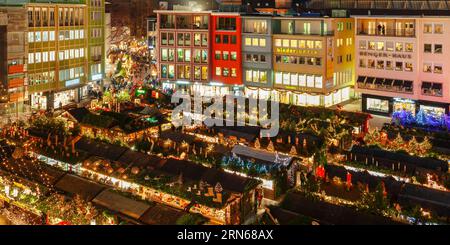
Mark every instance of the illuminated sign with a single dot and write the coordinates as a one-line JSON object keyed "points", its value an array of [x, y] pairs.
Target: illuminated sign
{"points": [[385, 55], [72, 82], [296, 51], [140, 92], [401, 100], [294, 88]]}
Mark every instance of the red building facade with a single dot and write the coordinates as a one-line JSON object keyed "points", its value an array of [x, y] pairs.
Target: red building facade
{"points": [[226, 56]]}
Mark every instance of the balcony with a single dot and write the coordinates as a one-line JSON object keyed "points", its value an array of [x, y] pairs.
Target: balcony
{"points": [[387, 32], [385, 84]]}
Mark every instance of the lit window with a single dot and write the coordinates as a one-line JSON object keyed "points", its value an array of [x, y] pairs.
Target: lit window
{"points": [[262, 42], [294, 43], [226, 72], [233, 56], [30, 37], [255, 42], [248, 75], [277, 42], [408, 47], [30, 58], [438, 28], [318, 44], [437, 69], [438, 48]]}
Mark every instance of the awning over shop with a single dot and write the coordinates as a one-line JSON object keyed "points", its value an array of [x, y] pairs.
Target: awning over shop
{"points": [[379, 81], [388, 82], [397, 83], [361, 79], [370, 80], [407, 84]]}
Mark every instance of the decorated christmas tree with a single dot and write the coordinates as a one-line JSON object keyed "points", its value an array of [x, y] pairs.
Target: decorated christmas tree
{"points": [[396, 144], [425, 146], [372, 137], [421, 118], [413, 145]]}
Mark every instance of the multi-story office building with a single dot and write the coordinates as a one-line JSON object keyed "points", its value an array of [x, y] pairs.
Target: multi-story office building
{"points": [[402, 63], [257, 51], [3, 58], [64, 47], [96, 42], [226, 47], [184, 48], [12, 59], [298, 60], [312, 61]]}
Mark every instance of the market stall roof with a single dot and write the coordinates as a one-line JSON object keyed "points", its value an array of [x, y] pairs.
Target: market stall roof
{"points": [[332, 213], [75, 185], [96, 148], [427, 197], [121, 204], [32, 171], [262, 156], [98, 121], [176, 136], [139, 159], [229, 181], [189, 170], [78, 113], [248, 133], [161, 215], [150, 111], [423, 162]]}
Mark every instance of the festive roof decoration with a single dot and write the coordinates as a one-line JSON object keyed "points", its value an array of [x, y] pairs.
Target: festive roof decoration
{"points": [[262, 156]]}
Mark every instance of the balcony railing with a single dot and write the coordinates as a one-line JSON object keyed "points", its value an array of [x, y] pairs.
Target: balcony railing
{"points": [[387, 32]]}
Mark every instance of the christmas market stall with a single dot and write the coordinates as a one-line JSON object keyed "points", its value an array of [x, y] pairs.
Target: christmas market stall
{"points": [[435, 200], [397, 161], [125, 127], [74, 116], [275, 170], [230, 135]]}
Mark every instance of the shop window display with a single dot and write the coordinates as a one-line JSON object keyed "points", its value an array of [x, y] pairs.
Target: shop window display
{"points": [[377, 105]]}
